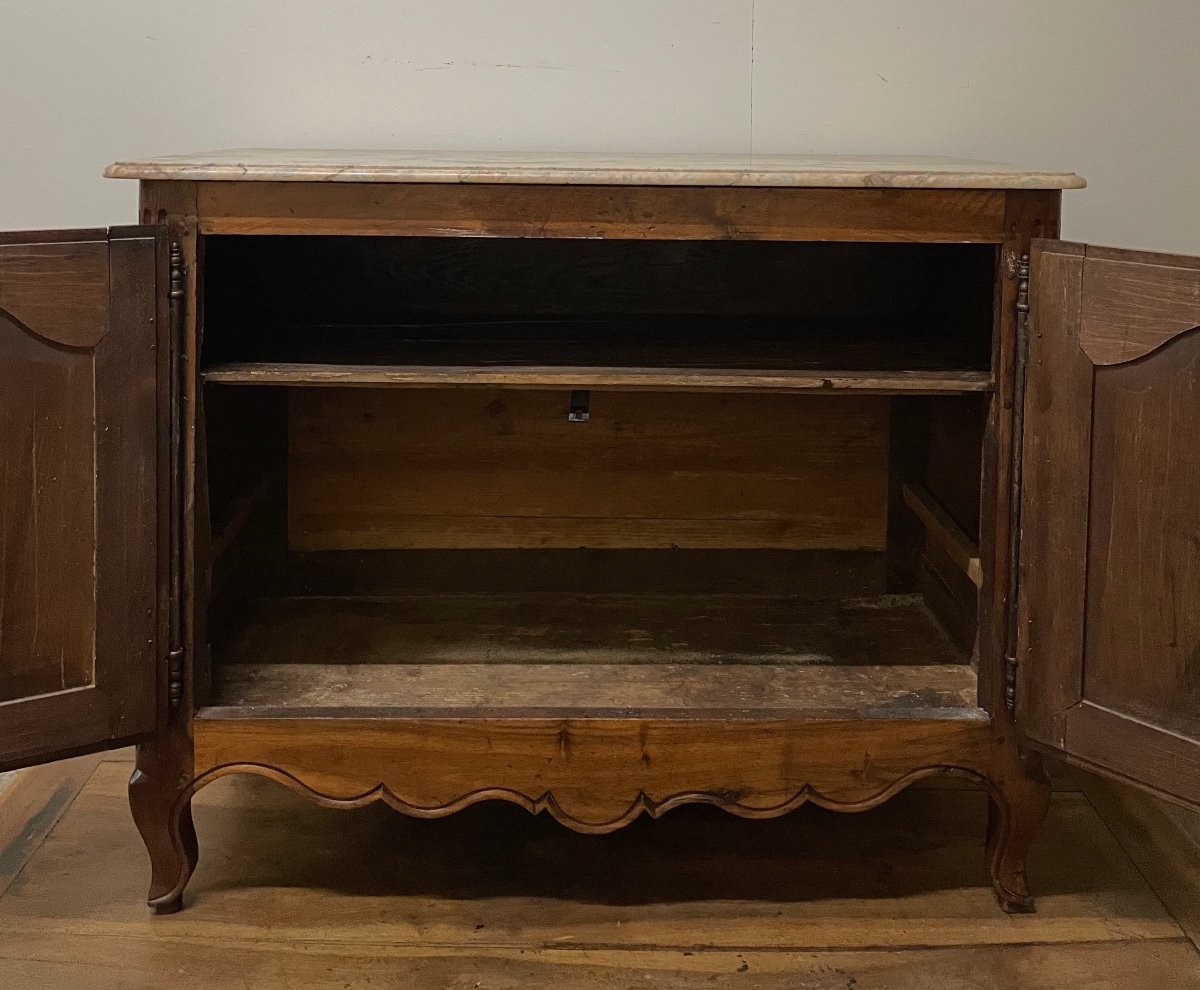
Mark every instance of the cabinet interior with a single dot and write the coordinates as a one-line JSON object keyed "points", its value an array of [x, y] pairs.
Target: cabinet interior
{"points": [[791, 529]]}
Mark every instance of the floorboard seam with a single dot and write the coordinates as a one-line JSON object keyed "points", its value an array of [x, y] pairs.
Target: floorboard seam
{"points": [[272, 944], [38, 843], [1150, 885]]}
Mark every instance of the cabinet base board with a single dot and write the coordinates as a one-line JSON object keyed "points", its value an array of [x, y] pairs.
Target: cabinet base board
{"points": [[597, 775], [594, 775]]}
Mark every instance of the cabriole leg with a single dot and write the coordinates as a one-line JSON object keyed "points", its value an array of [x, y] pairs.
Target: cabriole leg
{"points": [[164, 818], [1018, 806]]}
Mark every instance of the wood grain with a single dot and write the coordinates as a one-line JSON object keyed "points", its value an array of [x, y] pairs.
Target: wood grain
{"points": [[581, 689], [1145, 753], [1028, 215], [1113, 642], [952, 472], [616, 378], [1052, 605], [1134, 302], [594, 775], [48, 461], [945, 532], [164, 759], [1143, 622], [30, 806], [661, 213], [505, 627], [122, 962], [397, 469], [56, 289], [80, 476]]}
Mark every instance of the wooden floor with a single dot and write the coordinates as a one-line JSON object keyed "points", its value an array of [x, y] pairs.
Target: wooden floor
{"points": [[589, 629], [290, 895], [569, 654], [572, 690]]}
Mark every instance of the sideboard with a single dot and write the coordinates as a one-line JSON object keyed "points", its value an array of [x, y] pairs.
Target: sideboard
{"points": [[600, 485]]}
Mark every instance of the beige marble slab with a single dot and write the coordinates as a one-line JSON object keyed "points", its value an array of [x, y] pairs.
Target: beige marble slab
{"points": [[586, 168]]}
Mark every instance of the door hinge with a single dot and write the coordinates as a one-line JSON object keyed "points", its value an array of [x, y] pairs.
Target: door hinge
{"points": [[175, 677], [1014, 508], [176, 501]]}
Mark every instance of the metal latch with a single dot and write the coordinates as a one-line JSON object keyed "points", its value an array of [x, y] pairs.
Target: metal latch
{"points": [[581, 402]]}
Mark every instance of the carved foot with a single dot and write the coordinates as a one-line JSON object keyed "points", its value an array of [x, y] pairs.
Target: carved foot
{"points": [[1018, 806], [170, 836]]}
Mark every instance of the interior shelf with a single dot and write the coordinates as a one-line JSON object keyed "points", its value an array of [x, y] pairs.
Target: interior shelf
{"points": [[699, 353], [578, 654], [545, 377], [482, 690]]}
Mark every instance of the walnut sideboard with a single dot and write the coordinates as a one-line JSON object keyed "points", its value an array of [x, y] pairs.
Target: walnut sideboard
{"points": [[600, 485]]}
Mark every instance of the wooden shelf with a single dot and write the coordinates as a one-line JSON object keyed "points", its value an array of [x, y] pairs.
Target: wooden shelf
{"points": [[624, 379], [699, 353], [465, 690], [581, 654]]}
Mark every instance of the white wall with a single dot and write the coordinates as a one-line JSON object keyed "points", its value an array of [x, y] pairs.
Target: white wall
{"points": [[1109, 88]]}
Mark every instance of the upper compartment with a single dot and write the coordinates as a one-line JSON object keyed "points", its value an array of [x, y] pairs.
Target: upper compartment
{"points": [[705, 315]]}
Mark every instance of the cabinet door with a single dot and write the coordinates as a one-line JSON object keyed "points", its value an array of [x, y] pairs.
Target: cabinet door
{"points": [[1109, 605], [81, 394]]}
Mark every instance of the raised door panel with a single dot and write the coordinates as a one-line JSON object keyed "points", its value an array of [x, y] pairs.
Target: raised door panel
{"points": [[1110, 545], [80, 459]]}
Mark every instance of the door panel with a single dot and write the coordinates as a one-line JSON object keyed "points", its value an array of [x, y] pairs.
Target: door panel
{"points": [[47, 627], [1110, 540], [1143, 573], [80, 473]]}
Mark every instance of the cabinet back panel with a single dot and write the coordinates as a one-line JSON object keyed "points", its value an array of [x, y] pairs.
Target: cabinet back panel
{"points": [[384, 280], [390, 573], [400, 469]]}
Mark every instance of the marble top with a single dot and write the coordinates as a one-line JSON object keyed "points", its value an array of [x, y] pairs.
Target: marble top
{"points": [[587, 168]]}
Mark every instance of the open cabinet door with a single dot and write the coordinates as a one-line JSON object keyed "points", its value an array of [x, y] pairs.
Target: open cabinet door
{"points": [[82, 389], [1109, 604]]}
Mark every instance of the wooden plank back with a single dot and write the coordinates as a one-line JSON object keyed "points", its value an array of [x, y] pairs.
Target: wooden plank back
{"points": [[396, 469]]}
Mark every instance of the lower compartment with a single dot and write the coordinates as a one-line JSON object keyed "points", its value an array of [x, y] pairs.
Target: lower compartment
{"points": [[430, 553], [575, 654]]}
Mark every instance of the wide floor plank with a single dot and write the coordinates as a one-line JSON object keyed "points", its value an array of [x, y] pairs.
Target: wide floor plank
{"points": [[589, 629], [115, 963], [31, 802], [291, 895], [275, 869], [912, 691]]}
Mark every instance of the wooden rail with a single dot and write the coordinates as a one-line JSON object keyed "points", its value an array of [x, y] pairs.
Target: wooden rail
{"points": [[944, 531]]}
